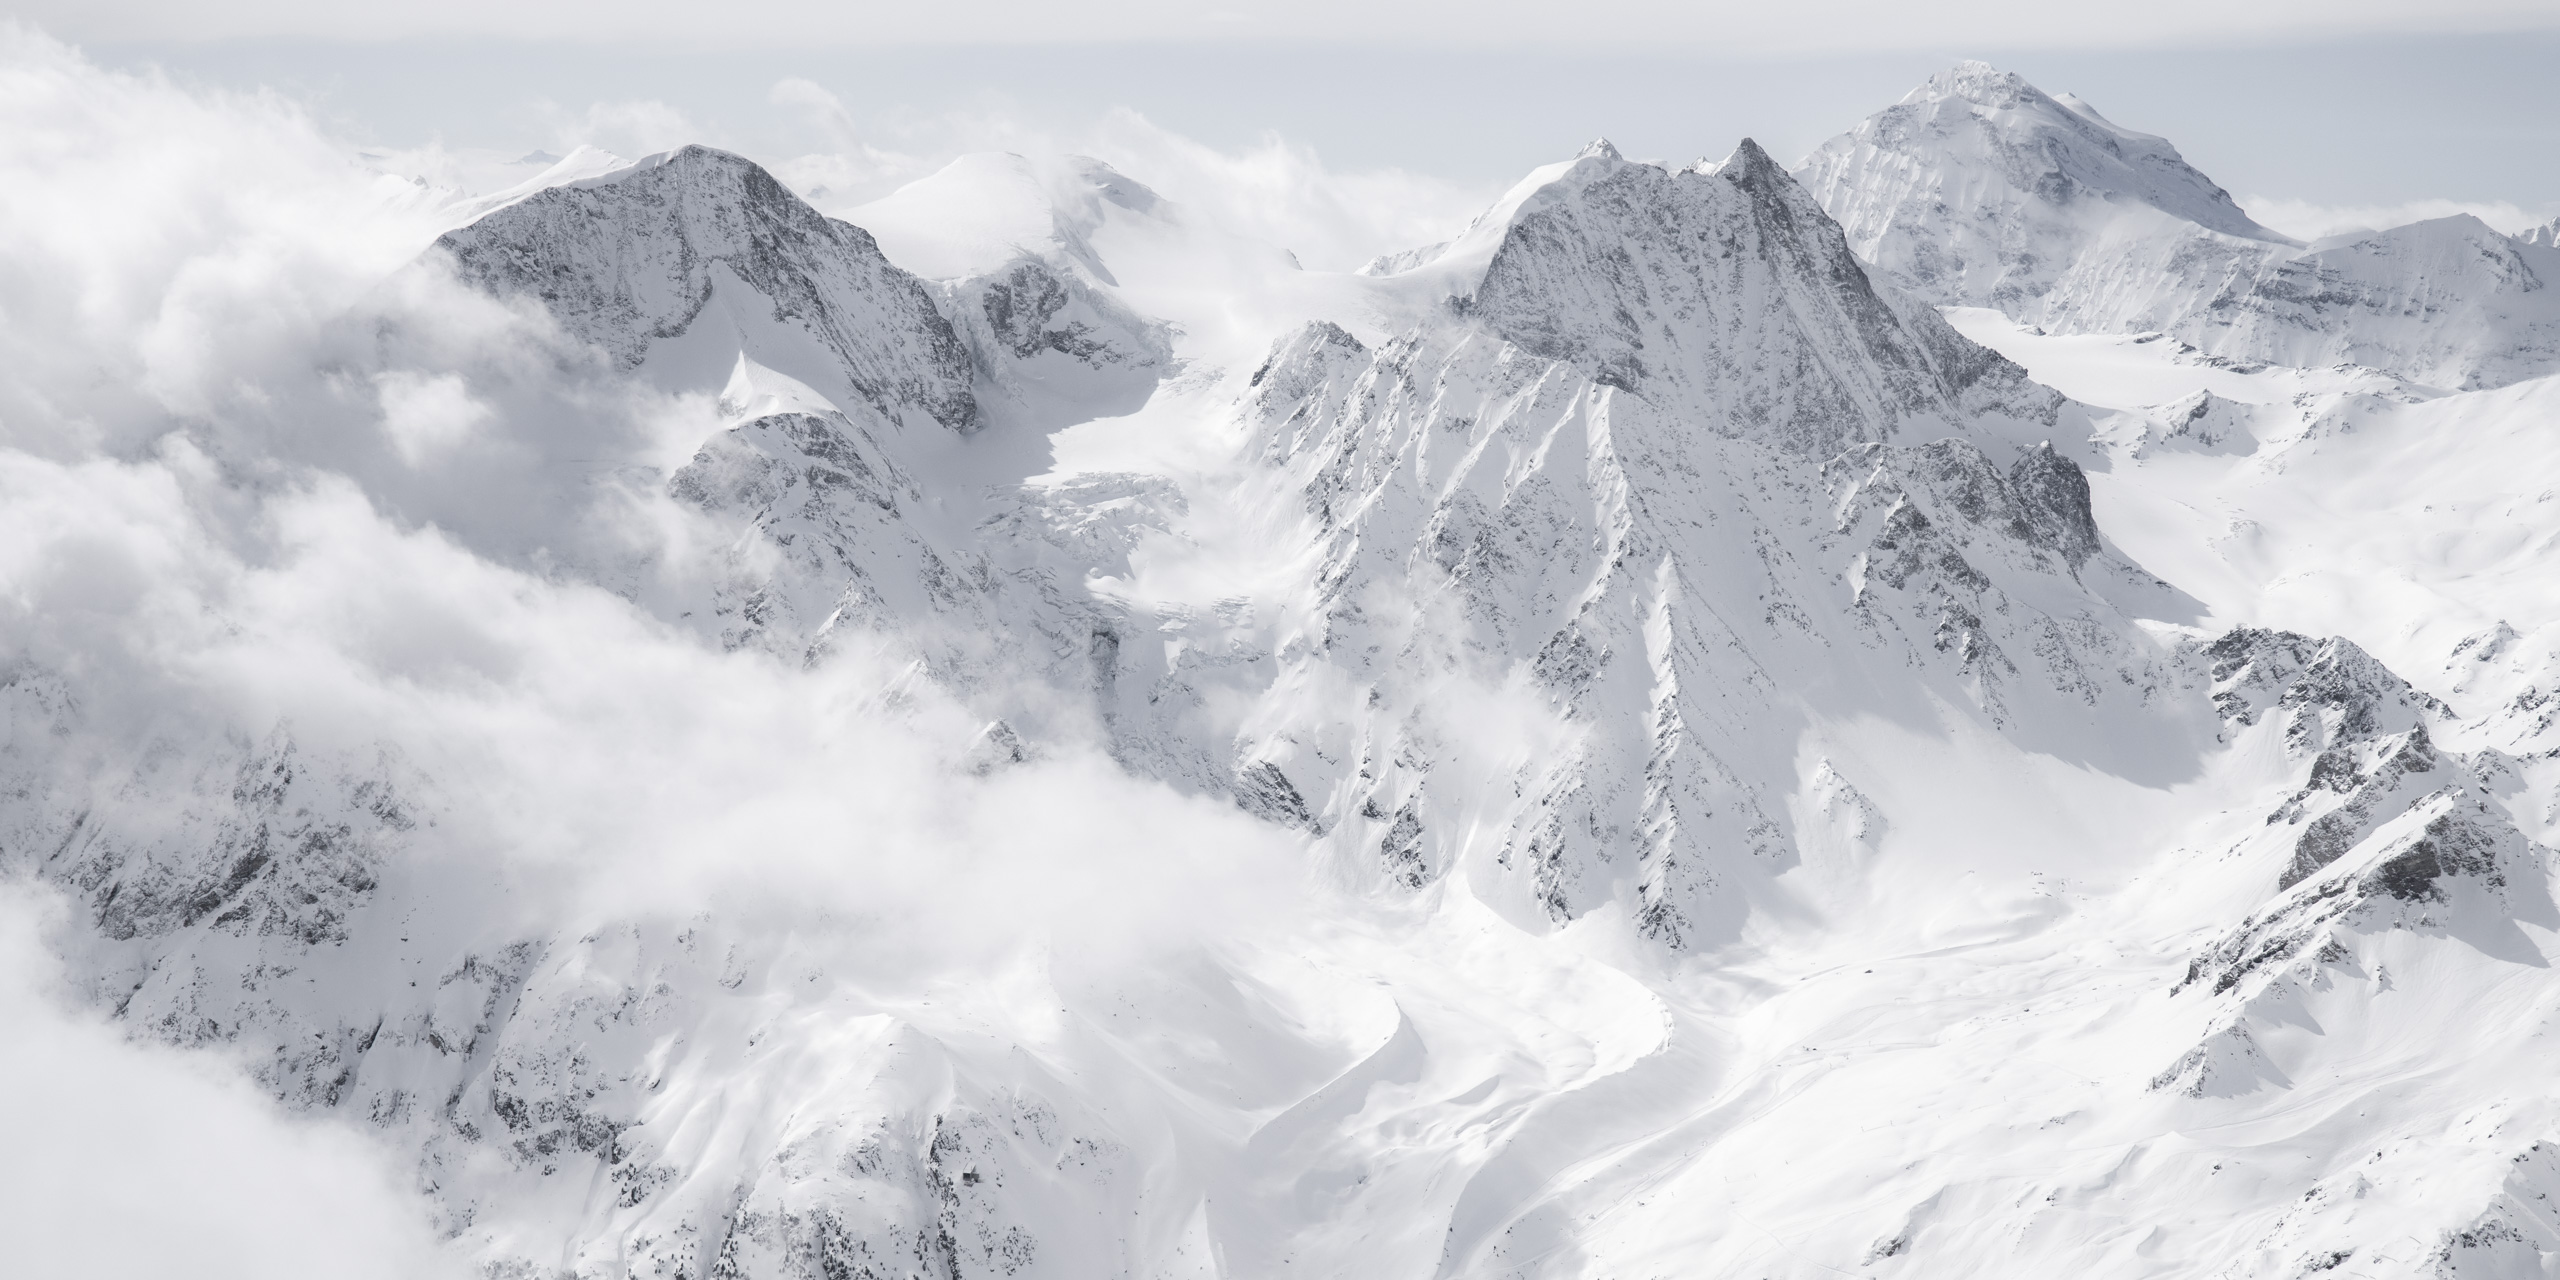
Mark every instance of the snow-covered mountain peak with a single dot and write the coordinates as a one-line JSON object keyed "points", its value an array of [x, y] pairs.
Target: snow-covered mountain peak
{"points": [[1975, 138], [2447, 302], [1731, 286], [1461, 262], [1979, 189], [631, 261], [964, 218], [1642, 382], [1986, 86], [1723, 790], [691, 158], [1974, 81], [1750, 154], [2546, 236]]}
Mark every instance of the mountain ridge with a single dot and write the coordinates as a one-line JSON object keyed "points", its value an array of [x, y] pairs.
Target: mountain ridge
{"points": [[1980, 190], [1624, 743]]}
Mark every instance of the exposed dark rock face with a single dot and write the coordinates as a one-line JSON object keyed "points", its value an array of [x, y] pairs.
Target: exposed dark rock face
{"points": [[288, 848], [1663, 389], [2451, 852], [1052, 347], [2394, 833], [1570, 607], [830, 504], [2054, 495], [630, 259], [1730, 289], [1263, 790]]}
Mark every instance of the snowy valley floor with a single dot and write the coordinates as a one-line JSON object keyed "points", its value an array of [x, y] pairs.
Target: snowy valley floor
{"points": [[642, 731]]}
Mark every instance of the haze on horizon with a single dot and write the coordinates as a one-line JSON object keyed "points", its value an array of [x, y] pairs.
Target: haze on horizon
{"points": [[1721, 723], [2317, 117]]}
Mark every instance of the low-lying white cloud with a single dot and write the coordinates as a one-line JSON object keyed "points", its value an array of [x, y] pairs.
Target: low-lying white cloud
{"points": [[1283, 193], [259, 477], [167, 245], [606, 761], [1275, 190], [427, 415], [127, 1161]]}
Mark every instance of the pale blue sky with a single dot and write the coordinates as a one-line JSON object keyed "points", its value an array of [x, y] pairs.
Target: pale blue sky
{"points": [[2356, 121]]}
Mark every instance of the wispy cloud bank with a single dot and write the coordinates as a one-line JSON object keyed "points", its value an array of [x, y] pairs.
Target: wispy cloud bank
{"points": [[254, 479], [1275, 190], [127, 1161], [366, 583]]}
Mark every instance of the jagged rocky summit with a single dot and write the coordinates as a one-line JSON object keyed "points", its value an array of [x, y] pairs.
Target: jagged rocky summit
{"points": [[1659, 394], [1755, 793]]}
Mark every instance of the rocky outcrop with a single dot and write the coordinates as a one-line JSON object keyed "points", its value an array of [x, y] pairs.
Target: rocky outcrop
{"points": [[1054, 346], [251, 840], [1731, 292], [634, 258], [2201, 423], [1726, 741], [1666, 393], [2383, 832], [283, 917], [2449, 855]]}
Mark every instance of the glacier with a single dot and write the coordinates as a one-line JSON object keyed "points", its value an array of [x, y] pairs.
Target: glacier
{"points": [[1959, 708]]}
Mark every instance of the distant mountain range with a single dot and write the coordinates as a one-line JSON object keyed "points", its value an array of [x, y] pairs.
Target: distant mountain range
{"points": [[1961, 709]]}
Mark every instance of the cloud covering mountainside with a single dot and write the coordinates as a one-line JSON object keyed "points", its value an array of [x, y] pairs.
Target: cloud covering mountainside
{"points": [[1964, 708]]}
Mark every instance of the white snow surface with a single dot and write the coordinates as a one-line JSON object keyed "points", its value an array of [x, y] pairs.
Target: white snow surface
{"points": [[1980, 190], [1964, 711]]}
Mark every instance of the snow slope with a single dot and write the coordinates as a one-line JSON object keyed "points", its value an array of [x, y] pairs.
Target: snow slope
{"points": [[1978, 189], [1562, 499], [1624, 743]]}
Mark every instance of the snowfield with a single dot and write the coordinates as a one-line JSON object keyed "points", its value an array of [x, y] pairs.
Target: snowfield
{"points": [[1960, 710]]}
